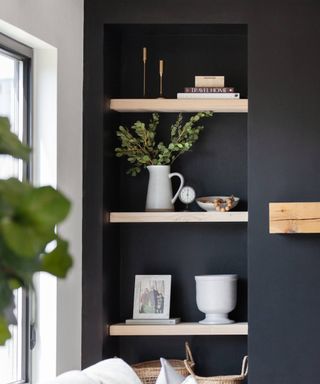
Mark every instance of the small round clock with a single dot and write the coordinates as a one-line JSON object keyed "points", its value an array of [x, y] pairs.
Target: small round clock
{"points": [[187, 195]]}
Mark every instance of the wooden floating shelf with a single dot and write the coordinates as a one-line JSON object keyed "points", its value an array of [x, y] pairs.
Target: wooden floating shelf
{"points": [[178, 329], [294, 217], [177, 217], [180, 105]]}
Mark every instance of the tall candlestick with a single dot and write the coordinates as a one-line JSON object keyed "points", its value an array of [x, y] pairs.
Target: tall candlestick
{"points": [[161, 67], [161, 62], [144, 59]]}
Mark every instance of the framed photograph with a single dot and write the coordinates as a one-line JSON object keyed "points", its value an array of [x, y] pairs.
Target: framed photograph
{"points": [[152, 297]]}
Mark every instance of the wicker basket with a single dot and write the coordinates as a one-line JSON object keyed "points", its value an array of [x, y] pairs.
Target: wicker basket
{"points": [[148, 371], [232, 379]]}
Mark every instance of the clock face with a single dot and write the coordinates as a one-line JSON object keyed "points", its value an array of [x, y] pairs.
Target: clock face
{"points": [[187, 195]]}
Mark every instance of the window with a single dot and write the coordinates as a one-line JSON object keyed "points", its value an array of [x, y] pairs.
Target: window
{"points": [[15, 67]]}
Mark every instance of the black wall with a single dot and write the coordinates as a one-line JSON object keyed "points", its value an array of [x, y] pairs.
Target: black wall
{"points": [[283, 137], [216, 165]]}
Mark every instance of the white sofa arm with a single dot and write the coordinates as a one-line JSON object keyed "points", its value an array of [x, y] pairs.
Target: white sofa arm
{"points": [[110, 371]]}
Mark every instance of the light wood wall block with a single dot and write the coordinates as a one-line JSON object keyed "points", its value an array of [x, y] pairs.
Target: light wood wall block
{"points": [[294, 217]]}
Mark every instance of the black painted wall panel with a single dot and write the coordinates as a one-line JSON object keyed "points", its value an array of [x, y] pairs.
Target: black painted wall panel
{"points": [[283, 153], [183, 252], [283, 166], [216, 165], [186, 51]]}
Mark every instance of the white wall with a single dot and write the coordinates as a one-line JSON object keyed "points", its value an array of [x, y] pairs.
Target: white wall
{"points": [[59, 23]]}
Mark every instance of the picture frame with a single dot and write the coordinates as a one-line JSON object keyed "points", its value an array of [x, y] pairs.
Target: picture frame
{"points": [[152, 297]]}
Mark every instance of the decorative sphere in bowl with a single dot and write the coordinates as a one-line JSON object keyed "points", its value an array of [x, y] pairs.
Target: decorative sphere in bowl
{"points": [[217, 203]]}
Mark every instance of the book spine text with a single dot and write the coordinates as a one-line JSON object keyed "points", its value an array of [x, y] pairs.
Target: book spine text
{"points": [[208, 90], [208, 95]]}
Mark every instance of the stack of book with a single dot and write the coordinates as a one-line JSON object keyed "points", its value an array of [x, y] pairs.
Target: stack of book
{"points": [[209, 87], [172, 321]]}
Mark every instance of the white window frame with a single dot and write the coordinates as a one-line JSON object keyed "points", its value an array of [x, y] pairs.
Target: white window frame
{"points": [[12, 48], [57, 71], [42, 364]]}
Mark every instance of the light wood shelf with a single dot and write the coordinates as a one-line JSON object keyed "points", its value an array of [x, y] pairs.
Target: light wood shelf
{"points": [[294, 217], [179, 105], [177, 217], [122, 329]]}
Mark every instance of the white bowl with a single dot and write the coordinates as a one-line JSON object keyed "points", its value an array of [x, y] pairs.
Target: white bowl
{"points": [[216, 297], [206, 202]]}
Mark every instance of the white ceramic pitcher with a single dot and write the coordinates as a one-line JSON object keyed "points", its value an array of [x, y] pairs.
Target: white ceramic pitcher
{"points": [[159, 195]]}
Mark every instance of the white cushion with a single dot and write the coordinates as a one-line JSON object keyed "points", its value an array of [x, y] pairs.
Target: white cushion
{"points": [[72, 377], [168, 375], [112, 371], [189, 380]]}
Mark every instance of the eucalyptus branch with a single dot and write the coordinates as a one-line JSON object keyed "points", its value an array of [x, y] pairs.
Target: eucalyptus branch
{"points": [[139, 146]]}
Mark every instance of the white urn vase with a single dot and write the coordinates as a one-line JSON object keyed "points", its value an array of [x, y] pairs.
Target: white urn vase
{"points": [[216, 297], [159, 195]]}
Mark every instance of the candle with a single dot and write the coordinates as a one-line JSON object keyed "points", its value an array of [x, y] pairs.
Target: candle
{"points": [[161, 67], [144, 54]]}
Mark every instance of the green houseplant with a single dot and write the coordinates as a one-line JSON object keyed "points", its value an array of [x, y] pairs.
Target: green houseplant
{"points": [[140, 147], [142, 150], [28, 218]]}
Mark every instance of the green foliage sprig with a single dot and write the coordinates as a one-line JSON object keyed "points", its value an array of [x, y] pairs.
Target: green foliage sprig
{"points": [[28, 217], [139, 144]]}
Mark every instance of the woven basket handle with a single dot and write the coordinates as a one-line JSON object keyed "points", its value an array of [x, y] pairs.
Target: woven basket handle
{"points": [[244, 369], [188, 368], [188, 353]]}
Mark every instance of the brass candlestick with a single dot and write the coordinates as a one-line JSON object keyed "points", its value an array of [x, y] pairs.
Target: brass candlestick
{"points": [[161, 77], [144, 59]]}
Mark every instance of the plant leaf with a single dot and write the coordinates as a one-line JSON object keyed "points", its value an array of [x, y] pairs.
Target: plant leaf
{"points": [[23, 239], [18, 268], [5, 293], [57, 262], [29, 215], [45, 206], [10, 143], [141, 149], [12, 192], [4, 330]]}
